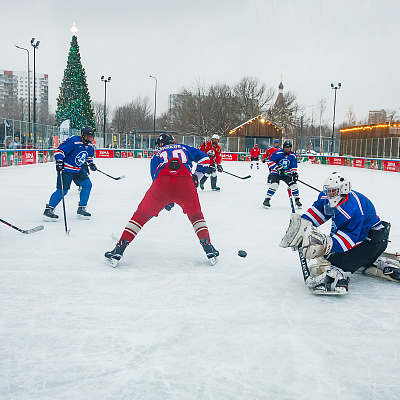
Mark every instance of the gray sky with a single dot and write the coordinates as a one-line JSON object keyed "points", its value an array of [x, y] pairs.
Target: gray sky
{"points": [[311, 43]]}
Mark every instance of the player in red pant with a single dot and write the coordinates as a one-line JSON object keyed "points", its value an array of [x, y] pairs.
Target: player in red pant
{"points": [[173, 183]]}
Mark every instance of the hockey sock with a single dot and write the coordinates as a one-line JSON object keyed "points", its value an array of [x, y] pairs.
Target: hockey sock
{"points": [[56, 198], [134, 226], [213, 181], [85, 192], [272, 189], [203, 179], [199, 226]]}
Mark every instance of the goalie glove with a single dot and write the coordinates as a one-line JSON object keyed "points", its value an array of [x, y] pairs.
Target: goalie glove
{"points": [[301, 232]]}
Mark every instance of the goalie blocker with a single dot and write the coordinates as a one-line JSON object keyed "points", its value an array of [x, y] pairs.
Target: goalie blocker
{"points": [[357, 241]]}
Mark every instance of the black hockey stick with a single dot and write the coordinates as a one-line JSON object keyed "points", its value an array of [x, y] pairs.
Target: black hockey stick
{"points": [[312, 187], [33, 230], [303, 261], [63, 201], [240, 177], [112, 177]]}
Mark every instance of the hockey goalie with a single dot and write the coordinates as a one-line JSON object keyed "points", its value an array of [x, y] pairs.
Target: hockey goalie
{"points": [[357, 241]]}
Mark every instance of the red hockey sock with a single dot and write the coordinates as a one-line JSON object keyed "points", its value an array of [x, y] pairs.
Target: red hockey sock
{"points": [[134, 226], [199, 226]]}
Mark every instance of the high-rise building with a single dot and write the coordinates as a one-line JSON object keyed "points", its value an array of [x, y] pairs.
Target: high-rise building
{"points": [[14, 87]]}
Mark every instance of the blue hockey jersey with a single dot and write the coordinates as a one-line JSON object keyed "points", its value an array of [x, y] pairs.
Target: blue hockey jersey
{"points": [[186, 154], [288, 162], [74, 153], [351, 221]]}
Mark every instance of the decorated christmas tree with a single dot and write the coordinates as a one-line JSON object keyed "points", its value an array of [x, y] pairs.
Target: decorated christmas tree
{"points": [[74, 101]]}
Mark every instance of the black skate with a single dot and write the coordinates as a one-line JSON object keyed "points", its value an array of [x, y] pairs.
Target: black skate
{"points": [[115, 255], [49, 214], [209, 249], [216, 189], [82, 213], [298, 202], [267, 203]]}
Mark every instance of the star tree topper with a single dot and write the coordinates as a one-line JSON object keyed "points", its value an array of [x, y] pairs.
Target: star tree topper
{"points": [[74, 29]]}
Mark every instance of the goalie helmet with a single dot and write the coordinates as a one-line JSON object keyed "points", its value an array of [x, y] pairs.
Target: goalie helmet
{"points": [[215, 136], [336, 186], [164, 139]]}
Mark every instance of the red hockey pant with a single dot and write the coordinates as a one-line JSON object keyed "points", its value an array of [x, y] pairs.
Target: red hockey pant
{"points": [[168, 189]]}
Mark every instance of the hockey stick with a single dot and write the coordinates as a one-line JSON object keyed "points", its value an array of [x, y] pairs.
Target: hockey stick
{"points": [[118, 178], [240, 177], [312, 187], [63, 201], [35, 229], [303, 261]]}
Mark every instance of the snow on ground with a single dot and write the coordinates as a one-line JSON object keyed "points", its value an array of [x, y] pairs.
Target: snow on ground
{"points": [[166, 324]]}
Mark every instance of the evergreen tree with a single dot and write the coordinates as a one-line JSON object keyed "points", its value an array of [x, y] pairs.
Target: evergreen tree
{"points": [[74, 101]]}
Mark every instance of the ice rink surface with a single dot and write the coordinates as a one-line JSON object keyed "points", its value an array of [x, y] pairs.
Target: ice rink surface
{"points": [[167, 325]]}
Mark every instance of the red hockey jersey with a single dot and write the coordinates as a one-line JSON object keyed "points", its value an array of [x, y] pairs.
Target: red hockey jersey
{"points": [[213, 152]]}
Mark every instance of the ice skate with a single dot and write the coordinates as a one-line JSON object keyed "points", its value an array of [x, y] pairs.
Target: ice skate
{"points": [[49, 214], [212, 253], [385, 267], [298, 202], [267, 203], [115, 255], [327, 280], [82, 213], [216, 189]]}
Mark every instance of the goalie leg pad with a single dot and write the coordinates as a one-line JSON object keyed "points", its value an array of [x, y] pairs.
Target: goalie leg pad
{"points": [[385, 267], [335, 282], [318, 272]]}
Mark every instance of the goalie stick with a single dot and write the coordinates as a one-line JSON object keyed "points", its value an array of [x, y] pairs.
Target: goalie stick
{"points": [[304, 267], [112, 177], [236, 176], [26, 231]]}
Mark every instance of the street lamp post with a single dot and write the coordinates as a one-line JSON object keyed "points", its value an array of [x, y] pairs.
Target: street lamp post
{"points": [[35, 46], [334, 112], [301, 123], [155, 105], [105, 105], [29, 85], [21, 99]]}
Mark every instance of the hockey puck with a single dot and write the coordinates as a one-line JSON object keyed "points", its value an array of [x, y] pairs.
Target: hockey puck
{"points": [[242, 253]]}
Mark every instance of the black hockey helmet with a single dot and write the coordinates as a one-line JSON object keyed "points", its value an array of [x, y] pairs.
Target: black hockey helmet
{"points": [[164, 139], [86, 130], [287, 143]]}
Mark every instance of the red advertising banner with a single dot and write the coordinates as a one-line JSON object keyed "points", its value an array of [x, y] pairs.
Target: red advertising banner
{"points": [[56, 141], [229, 157], [313, 159], [335, 160], [29, 157], [104, 153], [4, 160], [359, 162], [391, 165], [124, 154]]}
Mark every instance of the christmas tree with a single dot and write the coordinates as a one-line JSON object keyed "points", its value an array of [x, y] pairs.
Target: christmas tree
{"points": [[74, 101]]}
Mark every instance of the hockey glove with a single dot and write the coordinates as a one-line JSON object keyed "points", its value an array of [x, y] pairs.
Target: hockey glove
{"points": [[219, 168], [195, 180], [279, 169], [169, 206], [263, 160], [92, 167], [60, 165]]}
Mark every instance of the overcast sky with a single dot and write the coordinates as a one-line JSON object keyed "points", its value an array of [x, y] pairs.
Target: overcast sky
{"points": [[310, 43]]}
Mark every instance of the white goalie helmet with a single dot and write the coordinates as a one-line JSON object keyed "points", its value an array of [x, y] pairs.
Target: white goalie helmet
{"points": [[215, 136], [336, 186]]}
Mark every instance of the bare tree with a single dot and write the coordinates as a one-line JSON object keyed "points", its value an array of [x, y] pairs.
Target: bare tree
{"points": [[351, 118], [134, 115]]}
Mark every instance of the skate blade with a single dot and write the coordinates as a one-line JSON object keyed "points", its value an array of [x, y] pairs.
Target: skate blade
{"points": [[330, 293], [267, 207], [48, 219], [213, 260], [112, 262], [82, 217]]}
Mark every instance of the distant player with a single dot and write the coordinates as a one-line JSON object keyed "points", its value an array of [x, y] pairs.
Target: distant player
{"points": [[255, 156], [173, 182], [268, 153], [212, 149], [357, 240], [283, 167], [70, 157]]}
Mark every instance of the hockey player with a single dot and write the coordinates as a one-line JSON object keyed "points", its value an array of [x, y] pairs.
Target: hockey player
{"points": [[173, 182], [268, 153], [212, 149], [255, 155], [357, 240], [70, 156], [283, 167]]}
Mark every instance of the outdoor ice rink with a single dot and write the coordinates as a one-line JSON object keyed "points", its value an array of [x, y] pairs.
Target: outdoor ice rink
{"points": [[167, 325]]}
